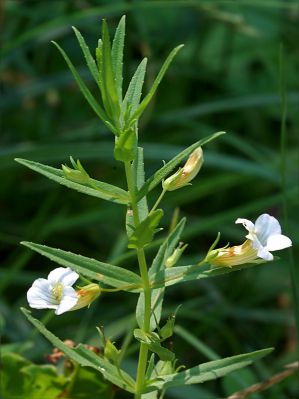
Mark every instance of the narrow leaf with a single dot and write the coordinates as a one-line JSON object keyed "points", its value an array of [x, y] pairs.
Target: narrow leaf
{"points": [[108, 79], [88, 57], [208, 371], [86, 92], [134, 91], [158, 267], [103, 272], [85, 357], [103, 190], [181, 274], [144, 233], [117, 55], [156, 83], [138, 173], [158, 176]]}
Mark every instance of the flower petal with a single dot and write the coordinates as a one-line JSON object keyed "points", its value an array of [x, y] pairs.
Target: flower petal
{"points": [[264, 254], [265, 226], [68, 301], [278, 241], [246, 223], [65, 275], [39, 296]]}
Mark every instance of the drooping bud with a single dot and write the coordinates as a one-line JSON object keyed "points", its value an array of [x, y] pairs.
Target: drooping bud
{"points": [[86, 295], [234, 256], [78, 174], [174, 258], [184, 175]]}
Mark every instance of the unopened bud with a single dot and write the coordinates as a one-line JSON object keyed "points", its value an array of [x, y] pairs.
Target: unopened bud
{"points": [[111, 352], [78, 174], [174, 258], [167, 330], [86, 295], [184, 175]]}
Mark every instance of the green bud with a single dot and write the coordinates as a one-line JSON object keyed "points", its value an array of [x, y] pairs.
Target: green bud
{"points": [[174, 258], [167, 330], [111, 352], [126, 146], [78, 174]]}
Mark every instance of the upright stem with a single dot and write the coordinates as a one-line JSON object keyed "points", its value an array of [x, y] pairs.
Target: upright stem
{"points": [[143, 351]]}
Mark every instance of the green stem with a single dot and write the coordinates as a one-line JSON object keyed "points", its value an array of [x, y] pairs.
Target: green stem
{"points": [[158, 200], [143, 351]]}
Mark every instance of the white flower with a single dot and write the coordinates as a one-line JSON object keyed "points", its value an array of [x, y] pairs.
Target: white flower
{"points": [[56, 292], [265, 235]]}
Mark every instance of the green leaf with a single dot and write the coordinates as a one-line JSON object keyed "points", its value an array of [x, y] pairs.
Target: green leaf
{"points": [[112, 104], [144, 233], [103, 190], [133, 94], [22, 379], [158, 266], [117, 55], [109, 274], [126, 146], [86, 357], [138, 173], [88, 57], [158, 176], [208, 371], [181, 274], [144, 103], [85, 91], [152, 341]]}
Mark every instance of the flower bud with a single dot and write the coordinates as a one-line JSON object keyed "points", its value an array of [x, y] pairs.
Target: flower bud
{"points": [[234, 256], [174, 258], [86, 295], [111, 352], [167, 330], [184, 175], [78, 174]]}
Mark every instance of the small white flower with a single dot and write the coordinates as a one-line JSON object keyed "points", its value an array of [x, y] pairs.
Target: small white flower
{"points": [[54, 293], [265, 235]]}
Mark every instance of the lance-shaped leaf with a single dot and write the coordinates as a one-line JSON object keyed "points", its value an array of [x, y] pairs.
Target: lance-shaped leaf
{"points": [[86, 92], [86, 357], [103, 272], [112, 104], [133, 94], [144, 103], [138, 173], [88, 57], [208, 371], [103, 190], [117, 53], [144, 233], [181, 274], [158, 176], [157, 269], [152, 341]]}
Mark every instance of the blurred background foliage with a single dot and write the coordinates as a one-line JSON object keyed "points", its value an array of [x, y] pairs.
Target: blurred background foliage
{"points": [[229, 76]]}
